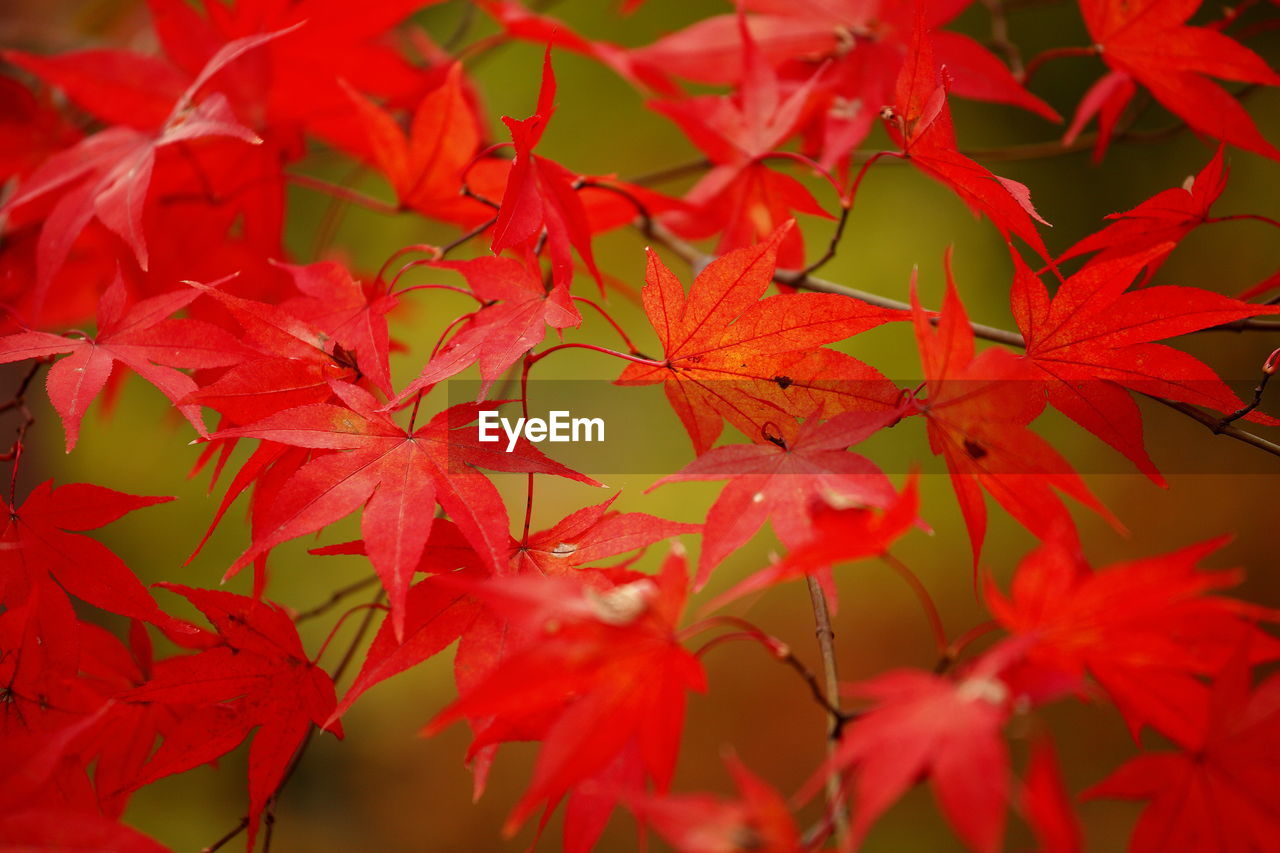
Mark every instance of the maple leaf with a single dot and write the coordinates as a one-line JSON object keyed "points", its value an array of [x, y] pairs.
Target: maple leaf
{"points": [[518, 21], [1162, 220], [1046, 803], [700, 823], [437, 613], [978, 410], [1221, 793], [1150, 43], [395, 475], [1146, 630], [920, 122], [1093, 340], [840, 533], [427, 167], [352, 315], [256, 676], [145, 338], [297, 84], [31, 129], [38, 807], [605, 684], [863, 46], [59, 830], [540, 194], [729, 355], [43, 545], [740, 198], [945, 730], [297, 359], [517, 310], [106, 176], [781, 481]]}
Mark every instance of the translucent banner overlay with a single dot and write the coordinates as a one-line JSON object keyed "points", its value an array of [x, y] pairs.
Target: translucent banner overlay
{"points": [[598, 428]]}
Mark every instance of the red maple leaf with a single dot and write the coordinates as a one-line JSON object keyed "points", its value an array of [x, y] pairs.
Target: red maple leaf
{"points": [[740, 198], [45, 555], [728, 355], [296, 84], [1146, 630], [782, 481], [427, 166], [1093, 340], [540, 195], [920, 122], [1046, 803], [604, 688], [296, 358], [437, 613], [395, 474], [840, 533], [863, 46], [351, 314], [1151, 44], [256, 675], [38, 807], [978, 411], [145, 337], [517, 311], [701, 823], [1223, 792], [921, 725], [1162, 220], [107, 175]]}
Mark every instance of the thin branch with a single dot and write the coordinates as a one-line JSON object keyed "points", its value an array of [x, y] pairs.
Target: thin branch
{"points": [[1252, 404], [796, 278], [826, 646], [671, 173], [336, 598], [780, 652], [474, 232], [231, 834], [1000, 39], [1214, 424]]}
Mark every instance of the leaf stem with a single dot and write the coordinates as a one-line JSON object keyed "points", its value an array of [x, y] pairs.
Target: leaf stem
{"points": [[1037, 62], [344, 193], [926, 601], [631, 347]]}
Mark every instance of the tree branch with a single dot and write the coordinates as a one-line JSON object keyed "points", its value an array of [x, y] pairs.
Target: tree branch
{"points": [[798, 279], [836, 718]]}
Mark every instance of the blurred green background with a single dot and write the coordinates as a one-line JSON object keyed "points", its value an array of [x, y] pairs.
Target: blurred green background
{"points": [[385, 789]]}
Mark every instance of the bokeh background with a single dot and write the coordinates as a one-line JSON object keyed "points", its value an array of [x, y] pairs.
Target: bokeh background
{"points": [[386, 789]]}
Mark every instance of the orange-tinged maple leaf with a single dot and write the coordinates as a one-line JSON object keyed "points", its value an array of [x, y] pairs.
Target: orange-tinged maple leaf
{"points": [[729, 355]]}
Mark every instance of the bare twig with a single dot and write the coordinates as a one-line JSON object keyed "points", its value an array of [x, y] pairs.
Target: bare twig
{"points": [[231, 834], [671, 173], [337, 597], [826, 646]]}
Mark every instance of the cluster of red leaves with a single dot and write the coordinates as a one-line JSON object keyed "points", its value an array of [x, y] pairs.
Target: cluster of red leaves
{"points": [[145, 195]]}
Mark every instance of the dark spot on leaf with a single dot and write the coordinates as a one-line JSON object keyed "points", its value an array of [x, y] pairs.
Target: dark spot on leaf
{"points": [[784, 382], [975, 450]]}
